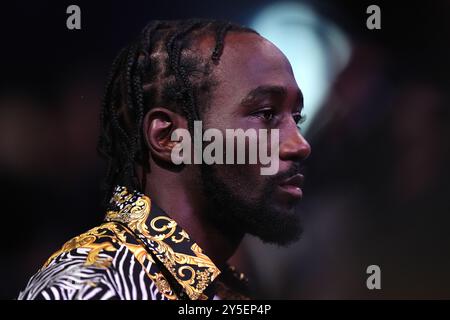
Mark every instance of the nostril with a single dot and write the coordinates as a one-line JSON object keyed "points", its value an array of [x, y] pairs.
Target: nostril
{"points": [[306, 149], [295, 148]]}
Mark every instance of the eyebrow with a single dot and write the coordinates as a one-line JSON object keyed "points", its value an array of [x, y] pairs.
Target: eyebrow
{"points": [[278, 92]]}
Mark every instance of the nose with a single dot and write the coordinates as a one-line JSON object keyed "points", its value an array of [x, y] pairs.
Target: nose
{"points": [[294, 146]]}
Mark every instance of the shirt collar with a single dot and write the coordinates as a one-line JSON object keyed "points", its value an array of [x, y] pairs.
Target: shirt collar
{"points": [[168, 242]]}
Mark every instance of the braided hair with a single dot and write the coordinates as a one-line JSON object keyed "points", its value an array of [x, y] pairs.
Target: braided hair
{"points": [[160, 68]]}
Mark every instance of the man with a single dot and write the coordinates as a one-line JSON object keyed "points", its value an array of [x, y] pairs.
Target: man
{"points": [[170, 228]]}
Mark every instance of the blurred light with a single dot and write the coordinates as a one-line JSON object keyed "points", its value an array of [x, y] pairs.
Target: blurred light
{"points": [[316, 48]]}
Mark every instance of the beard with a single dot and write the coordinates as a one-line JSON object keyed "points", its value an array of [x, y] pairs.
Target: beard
{"points": [[232, 209]]}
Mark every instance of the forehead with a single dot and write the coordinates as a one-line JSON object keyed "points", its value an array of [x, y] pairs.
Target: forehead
{"points": [[249, 61]]}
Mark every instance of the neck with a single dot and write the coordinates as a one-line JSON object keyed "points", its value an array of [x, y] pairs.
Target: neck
{"points": [[187, 206]]}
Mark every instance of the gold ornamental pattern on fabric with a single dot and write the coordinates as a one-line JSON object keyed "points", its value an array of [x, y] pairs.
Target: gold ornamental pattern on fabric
{"points": [[191, 268]]}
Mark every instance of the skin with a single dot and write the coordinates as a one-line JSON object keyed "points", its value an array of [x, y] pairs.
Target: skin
{"points": [[248, 62]]}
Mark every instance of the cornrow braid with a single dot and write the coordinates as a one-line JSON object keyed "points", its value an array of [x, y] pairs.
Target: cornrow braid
{"points": [[220, 37], [155, 69]]}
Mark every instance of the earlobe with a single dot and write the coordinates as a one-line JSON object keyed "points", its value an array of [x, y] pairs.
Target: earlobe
{"points": [[158, 126]]}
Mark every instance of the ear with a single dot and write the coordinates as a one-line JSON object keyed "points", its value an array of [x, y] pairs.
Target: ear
{"points": [[158, 125]]}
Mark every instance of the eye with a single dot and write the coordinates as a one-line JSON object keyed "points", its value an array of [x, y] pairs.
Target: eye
{"points": [[266, 114], [298, 118]]}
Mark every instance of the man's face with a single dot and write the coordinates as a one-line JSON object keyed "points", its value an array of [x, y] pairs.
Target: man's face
{"points": [[256, 90]]}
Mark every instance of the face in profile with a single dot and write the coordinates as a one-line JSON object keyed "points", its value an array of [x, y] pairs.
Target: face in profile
{"points": [[256, 89]]}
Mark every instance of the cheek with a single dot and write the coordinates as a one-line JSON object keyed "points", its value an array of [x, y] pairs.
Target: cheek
{"points": [[243, 180]]}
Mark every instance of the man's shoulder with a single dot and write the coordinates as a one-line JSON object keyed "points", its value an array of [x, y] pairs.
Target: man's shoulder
{"points": [[102, 263], [68, 277], [97, 247]]}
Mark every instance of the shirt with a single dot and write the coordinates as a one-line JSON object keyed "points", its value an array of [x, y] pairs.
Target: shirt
{"points": [[139, 252]]}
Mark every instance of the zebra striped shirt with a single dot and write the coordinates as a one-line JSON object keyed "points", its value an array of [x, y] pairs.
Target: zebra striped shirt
{"points": [[138, 253]]}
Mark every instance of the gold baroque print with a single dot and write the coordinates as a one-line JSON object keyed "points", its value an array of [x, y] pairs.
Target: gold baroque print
{"points": [[135, 226], [133, 212], [88, 240], [171, 226], [163, 285], [177, 263], [193, 271], [183, 235]]}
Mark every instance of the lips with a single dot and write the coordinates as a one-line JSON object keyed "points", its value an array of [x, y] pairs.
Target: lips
{"points": [[292, 186]]}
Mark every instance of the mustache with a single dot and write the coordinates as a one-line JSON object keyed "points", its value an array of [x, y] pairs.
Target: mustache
{"points": [[296, 168]]}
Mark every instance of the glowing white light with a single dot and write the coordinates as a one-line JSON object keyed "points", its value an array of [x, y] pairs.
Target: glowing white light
{"points": [[316, 48]]}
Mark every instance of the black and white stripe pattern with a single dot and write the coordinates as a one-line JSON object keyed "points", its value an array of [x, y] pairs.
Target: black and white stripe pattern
{"points": [[68, 277]]}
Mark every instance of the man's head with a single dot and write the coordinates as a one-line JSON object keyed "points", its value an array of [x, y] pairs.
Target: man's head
{"points": [[229, 77]]}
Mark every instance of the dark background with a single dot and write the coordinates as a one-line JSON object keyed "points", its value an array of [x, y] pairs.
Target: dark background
{"points": [[378, 179]]}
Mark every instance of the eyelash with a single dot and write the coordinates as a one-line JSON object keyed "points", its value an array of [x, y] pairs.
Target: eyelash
{"points": [[298, 117], [264, 113]]}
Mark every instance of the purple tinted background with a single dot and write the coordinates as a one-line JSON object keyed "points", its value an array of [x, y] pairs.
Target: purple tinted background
{"points": [[378, 178]]}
